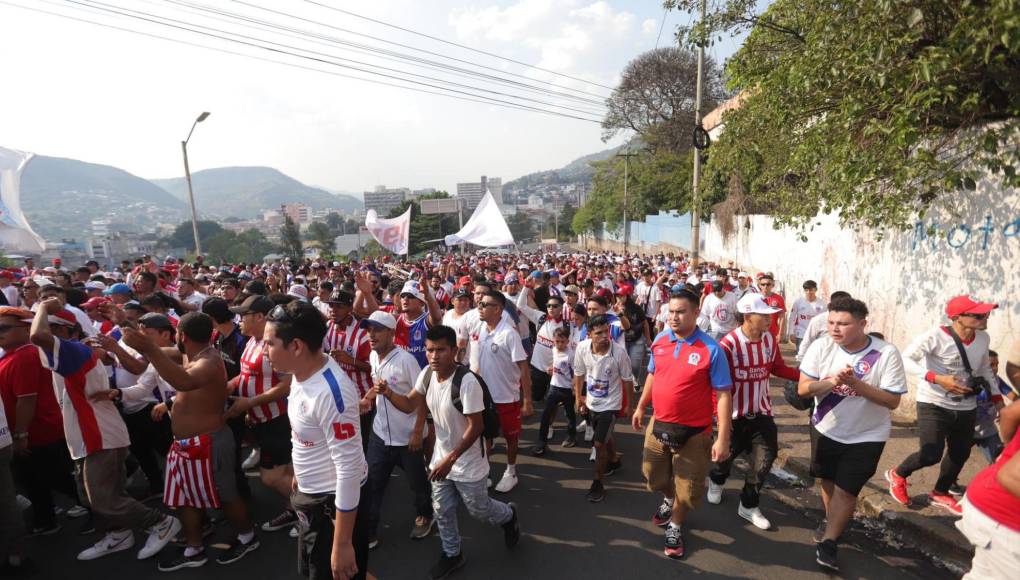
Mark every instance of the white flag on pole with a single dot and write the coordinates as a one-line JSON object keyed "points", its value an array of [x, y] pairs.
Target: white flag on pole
{"points": [[15, 233], [486, 227], [392, 234]]}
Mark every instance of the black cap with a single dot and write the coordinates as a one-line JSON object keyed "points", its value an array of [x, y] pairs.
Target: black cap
{"points": [[341, 296], [461, 292], [156, 321], [256, 287], [258, 304]]}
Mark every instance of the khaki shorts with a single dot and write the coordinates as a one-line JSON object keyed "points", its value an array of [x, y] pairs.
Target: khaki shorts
{"points": [[681, 471]]}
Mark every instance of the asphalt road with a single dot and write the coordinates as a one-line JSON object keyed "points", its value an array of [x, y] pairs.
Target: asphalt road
{"points": [[564, 536]]}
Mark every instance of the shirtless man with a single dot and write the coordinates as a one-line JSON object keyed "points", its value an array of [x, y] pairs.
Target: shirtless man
{"points": [[202, 442]]}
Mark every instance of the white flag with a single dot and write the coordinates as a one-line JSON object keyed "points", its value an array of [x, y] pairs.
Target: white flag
{"points": [[486, 227], [392, 234], [15, 233]]}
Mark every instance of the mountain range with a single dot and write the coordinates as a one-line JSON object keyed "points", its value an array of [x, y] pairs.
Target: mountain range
{"points": [[577, 170]]}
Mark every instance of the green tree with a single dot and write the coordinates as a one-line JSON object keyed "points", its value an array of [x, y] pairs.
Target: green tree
{"points": [[520, 227], [183, 235], [321, 233], [290, 239], [874, 109], [426, 227]]}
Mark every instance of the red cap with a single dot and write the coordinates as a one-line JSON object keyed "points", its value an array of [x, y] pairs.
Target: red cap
{"points": [[94, 302], [605, 293], [67, 318], [967, 305], [6, 274], [625, 290], [464, 281], [56, 261]]}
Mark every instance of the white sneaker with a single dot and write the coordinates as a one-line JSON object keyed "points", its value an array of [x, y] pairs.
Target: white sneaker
{"points": [[589, 432], [582, 425], [111, 542], [508, 482], [714, 493], [293, 533], [159, 536], [23, 502], [549, 433], [252, 462], [754, 516], [591, 457], [76, 511]]}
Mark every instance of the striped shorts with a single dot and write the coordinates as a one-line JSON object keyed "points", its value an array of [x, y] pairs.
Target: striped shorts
{"points": [[199, 471]]}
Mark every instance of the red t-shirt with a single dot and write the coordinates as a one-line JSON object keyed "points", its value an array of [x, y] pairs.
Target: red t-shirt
{"points": [[22, 374], [687, 372], [775, 301], [987, 494]]}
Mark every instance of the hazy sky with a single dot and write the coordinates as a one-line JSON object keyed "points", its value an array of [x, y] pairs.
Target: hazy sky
{"points": [[107, 96]]}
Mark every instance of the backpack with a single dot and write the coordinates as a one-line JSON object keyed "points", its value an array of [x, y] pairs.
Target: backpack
{"points": [[490, 417]]}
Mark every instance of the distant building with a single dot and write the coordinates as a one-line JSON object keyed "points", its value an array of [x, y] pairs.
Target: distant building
{"points": [[423, 191], [298, 212], [535, 202], [385, 199], [472, 192]]}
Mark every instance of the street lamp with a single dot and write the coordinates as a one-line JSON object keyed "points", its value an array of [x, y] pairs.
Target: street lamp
{"points": [[187, 175]]}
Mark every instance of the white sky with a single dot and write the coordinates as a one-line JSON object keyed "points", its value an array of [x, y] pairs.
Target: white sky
{"points": [[106, 96]]}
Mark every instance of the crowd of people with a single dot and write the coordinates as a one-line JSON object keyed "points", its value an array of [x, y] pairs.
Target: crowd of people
{"points": [[323, 377]]}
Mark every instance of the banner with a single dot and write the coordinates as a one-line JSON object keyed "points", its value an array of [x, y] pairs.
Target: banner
{"points": [[486, 227], [392, 234], [15, 233]]}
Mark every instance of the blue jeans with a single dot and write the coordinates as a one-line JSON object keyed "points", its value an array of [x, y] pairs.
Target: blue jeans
{"points": [[991, 447], [638, 365], [382, 459], [475, 496]]}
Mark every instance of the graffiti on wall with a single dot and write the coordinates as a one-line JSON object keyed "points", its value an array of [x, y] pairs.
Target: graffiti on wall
{"points": [[982, 235]]}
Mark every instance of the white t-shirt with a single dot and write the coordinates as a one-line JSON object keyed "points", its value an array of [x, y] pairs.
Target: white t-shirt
{"points": [[89, 426], [542, 353], [399, 369], [450, 424], [471, 324], [124, 380], [563, 369], [494, 356], [935, 351], [801, 314], [5, 432], [148, 388], [603, 374], [648, 296], [841, 414], [717, 314], [195, 299], [817, 327], [325, 428]]}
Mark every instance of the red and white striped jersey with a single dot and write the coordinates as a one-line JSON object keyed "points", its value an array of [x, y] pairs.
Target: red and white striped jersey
{"points": [[751, 364], [353, 340], [257, 376]]}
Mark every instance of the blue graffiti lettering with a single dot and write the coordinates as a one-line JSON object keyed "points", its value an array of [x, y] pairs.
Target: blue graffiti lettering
{"points": [[987, 229], [957, 236], [951, 236], [1012, 229]]}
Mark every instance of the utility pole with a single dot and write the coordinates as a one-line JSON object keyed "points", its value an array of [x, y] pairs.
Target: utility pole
{"points": [[187, 175], [626, 178], [696, 195]]}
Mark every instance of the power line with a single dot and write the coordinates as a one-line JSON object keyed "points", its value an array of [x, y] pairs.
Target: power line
{"points": [[451, 43], [665, 11], [377, 52], [312, 55], [477, 99], [425, 51]]}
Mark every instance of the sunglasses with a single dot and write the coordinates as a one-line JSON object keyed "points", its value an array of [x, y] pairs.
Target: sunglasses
{"points": [[486, 304]]}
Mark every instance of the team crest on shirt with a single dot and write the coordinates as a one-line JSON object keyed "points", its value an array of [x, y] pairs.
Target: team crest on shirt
{"points": [[417, 335], [693, 358], [862, 367], [494, 347]]}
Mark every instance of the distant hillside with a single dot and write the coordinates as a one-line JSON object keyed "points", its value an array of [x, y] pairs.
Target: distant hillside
{"points": [[61, 197], [247, 191], [577, 170]]}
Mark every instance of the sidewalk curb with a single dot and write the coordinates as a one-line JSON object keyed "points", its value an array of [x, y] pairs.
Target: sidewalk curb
{"points": [[938, 542]]}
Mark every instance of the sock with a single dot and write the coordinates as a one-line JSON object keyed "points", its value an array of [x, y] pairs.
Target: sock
{"points": [[674, 526], [511, 469], [668, 501], [246, 537], [193, 551]]}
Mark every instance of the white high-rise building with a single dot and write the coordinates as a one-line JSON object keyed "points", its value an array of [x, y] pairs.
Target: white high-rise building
{"points": [[472, 192]]}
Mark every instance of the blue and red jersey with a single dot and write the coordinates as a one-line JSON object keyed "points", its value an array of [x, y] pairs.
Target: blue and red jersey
{"points": [[686, 372], [410, 336]]}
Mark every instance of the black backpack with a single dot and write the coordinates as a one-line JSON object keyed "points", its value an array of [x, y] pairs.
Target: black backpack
{"points": [[490, 417]]}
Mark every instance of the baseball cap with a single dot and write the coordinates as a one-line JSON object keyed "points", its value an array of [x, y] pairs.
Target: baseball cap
{"points": [[511, 278], [464, 280], [411, 287], [754, 304], [380, 319], [257, 303], [118, 288], [572, 289], [743, 274], [256, 287], [95, 285], [341, 296], [156, 321], [968, 305], [461, 292], [63, 318], [298, 291], [94, 302], [625, 290], [536, 274]]}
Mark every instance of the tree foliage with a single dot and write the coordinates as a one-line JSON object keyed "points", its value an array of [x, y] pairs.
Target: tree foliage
{"points": [[249, 246], [320, 232], [290, 239], [873, 109], [183, 236]]}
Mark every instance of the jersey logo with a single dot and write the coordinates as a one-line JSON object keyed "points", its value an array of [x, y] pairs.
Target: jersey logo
{"points": [[862, 367], [494, 347], [343, 431], [693, 358]]}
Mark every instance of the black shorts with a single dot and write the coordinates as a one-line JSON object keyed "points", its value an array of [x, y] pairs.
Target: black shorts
{"points": [[316, 514], [848, 465], [602, 422], [273, 438]]}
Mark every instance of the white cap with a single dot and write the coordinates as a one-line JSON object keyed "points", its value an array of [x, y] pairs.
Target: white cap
{"points": [[411, 287], [743, 274], [753, 303], [298, 291], [95, 285], [380, 318]]}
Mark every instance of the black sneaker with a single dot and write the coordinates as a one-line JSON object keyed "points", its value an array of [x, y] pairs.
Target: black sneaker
{"points": [[613, 467], [597, 492], [446, 565], [47, 529], [825, 555], [181, 561], [674, 543], [237, 550], [539, 450], [286, 519], [512, 529], [957, 490], [819, 535]]}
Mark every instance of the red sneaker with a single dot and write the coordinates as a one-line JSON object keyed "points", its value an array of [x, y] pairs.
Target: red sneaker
{"points": [[944, 500], [897, 487]]}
